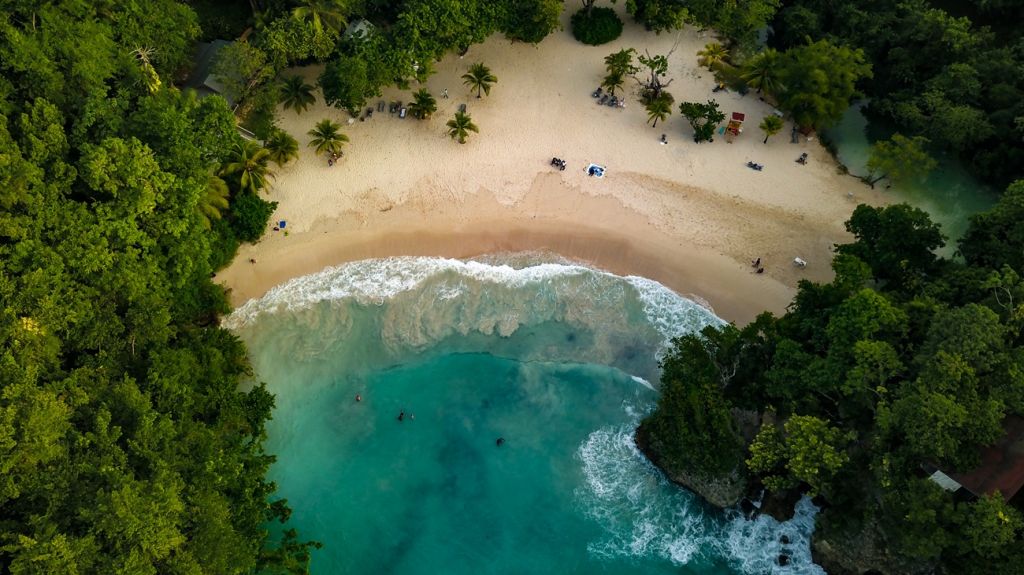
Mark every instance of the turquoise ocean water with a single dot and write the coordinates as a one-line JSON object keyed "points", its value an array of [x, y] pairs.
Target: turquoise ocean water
{"points": [[553, 358]]}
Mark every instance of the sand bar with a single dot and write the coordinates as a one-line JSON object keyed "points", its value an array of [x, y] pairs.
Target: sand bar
{"points": [[690, 216]]}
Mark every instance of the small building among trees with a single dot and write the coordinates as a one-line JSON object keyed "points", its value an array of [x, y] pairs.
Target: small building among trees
{"points": [[201, 78], [1001, 468]]}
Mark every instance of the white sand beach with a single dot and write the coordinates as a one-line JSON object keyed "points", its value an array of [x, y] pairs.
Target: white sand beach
{"points": [[690, 216]]}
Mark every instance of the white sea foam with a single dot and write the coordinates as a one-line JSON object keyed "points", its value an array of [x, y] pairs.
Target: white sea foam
{"points": [[374, 282], [644, 515], [643, 382]]}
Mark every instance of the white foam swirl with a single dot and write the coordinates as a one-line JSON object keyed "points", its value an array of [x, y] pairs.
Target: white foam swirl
{"points": [[374, 282], [644, 515]]}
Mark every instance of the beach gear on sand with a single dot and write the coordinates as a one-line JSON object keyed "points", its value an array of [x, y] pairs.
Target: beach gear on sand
{"points": [[595, 170]]}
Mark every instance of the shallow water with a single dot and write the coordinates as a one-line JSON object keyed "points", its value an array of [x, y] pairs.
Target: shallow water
{"points": [[949, 194], [551, 357]]}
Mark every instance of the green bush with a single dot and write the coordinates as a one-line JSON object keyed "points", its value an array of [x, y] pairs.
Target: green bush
{"points": [[249, 216], [599, 26]]}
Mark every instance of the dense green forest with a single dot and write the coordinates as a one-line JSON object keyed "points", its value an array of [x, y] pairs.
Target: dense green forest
{"points": [[903, 360], [125, 443]]}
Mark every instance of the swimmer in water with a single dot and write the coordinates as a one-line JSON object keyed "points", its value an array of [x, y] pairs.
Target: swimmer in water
{"points": [[358, 398], [500, 441], [401, 415]]}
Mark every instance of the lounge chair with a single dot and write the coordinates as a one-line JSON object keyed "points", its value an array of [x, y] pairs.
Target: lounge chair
{"points": [[462, 108], [597, 93], [402, 113], [393, 108], [603, 100], [380, 106], [613, 102]]}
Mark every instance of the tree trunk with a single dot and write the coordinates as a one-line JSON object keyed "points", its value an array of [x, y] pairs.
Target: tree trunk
{"points": [[766, 139]]}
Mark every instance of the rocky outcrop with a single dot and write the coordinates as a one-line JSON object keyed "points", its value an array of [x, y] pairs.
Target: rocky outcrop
{"points": [[860, 552], [719, 490]]}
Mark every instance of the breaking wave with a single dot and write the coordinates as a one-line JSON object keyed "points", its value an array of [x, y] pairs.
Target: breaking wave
{"points": [[644, 515]]}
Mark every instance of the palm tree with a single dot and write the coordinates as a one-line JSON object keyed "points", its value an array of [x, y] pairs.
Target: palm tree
{"points": [[762, 72], [479, 78], [327, 137], [322, 14], [771, 124], [460, 126], [712, 54], [612, 81], [620, 62], [213, 200], [660, 108], [423, 104], [149, 74], [250, 166], [282, 146], [296, 93]]}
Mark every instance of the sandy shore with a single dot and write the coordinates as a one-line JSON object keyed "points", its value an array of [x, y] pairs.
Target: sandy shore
{"points": [[690, 216]]}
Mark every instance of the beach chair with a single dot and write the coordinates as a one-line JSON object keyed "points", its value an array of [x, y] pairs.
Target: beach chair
{"points": [[462, 108], [402, 113], [603, 100], [597, 93], [380, 105]]}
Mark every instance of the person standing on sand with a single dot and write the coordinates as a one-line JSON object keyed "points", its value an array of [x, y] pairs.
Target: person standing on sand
{"points": [[445, 94]]}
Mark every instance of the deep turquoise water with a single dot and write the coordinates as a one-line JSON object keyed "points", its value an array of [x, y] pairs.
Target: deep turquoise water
{"points": [[551, 357], [949, 194]]}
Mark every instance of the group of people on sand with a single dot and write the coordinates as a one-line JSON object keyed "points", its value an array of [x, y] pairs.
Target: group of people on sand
{"points": [[412, 416], [757, 265], [334, 157]]}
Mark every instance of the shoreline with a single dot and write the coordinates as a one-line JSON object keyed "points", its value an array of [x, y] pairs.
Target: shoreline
{"points": [[689, 216], [599, 233]]}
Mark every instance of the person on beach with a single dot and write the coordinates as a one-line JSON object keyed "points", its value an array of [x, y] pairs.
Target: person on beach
{"points": [[756, 263], [445, 94], [401, 415], [760, 270]]}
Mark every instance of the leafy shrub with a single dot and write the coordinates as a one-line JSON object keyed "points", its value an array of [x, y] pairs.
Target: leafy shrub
{"points": [[223, 244], [599, 26], [249, 216]]}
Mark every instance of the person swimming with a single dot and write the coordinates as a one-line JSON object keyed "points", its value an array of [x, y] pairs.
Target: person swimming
{"points": [[500, 441], [358, 398], [401, 415]]}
